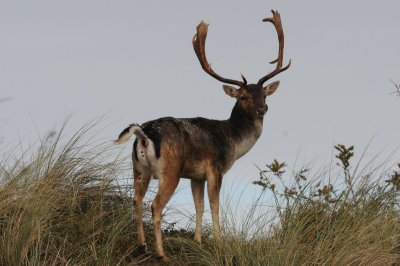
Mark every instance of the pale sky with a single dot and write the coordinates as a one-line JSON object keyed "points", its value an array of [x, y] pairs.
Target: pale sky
{"points": [[134, 61]]}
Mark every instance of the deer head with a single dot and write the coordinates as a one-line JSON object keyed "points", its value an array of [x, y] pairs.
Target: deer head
{"points": [[250, 97]]}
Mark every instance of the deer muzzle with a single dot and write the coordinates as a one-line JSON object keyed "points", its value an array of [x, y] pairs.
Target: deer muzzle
{"points": [[261, 111]]}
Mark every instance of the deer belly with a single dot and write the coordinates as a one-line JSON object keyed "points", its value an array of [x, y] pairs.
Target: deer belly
{"points": [[194, 171]]}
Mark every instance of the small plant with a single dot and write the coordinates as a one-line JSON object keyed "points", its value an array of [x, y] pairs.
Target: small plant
{"points": [[395, 179], [344, 156], [276, 168]]}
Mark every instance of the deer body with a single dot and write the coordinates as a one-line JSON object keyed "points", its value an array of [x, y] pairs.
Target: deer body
{"points": [[199, 149], [198, 141]]}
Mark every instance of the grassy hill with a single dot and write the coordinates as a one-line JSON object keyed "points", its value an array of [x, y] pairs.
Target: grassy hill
{"points": [[60, 204]]}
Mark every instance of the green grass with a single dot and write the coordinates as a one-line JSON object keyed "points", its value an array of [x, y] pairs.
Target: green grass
{"points": [[60, 203]]}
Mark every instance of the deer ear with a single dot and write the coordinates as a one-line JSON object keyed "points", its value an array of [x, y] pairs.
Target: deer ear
{"points": [[271, 88], [231, 91]]}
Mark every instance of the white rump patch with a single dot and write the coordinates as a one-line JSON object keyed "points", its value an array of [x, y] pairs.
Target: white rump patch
{"points": [[145, 151]]}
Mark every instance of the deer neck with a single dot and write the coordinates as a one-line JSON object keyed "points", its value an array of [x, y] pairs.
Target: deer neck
{"points": [[245, 130]]}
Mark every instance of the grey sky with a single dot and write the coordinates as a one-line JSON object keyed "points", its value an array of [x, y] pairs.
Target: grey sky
{"points": [[134, 61]]}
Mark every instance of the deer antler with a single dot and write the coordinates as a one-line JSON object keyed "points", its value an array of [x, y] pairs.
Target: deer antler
{"points": [[199, 42], [276, 20]]}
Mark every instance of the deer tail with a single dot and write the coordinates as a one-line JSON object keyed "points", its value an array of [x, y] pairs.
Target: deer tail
{"points": [[126, 134]]}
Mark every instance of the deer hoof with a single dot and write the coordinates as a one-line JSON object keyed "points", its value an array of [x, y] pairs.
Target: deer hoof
{"points": [[197, 240], [142, 249], [163, 258]]}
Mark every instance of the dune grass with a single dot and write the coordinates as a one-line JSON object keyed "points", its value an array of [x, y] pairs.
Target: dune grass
{"points": [[62, 203]]}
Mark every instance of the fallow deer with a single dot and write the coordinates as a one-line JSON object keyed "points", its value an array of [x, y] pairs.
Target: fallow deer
{"points": [[199, 149]]}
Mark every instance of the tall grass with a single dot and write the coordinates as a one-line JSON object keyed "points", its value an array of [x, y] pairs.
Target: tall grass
{"points": [[62, 203]]}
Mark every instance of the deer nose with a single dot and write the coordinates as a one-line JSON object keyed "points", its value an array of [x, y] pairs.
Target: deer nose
{"points": [[260, 111]]}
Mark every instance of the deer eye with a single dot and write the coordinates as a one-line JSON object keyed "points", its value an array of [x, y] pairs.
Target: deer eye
{"points": [[243, 98]]}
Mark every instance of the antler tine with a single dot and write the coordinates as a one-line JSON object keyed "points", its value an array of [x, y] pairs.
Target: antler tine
{"points": [[276, 21], [199, 42]]}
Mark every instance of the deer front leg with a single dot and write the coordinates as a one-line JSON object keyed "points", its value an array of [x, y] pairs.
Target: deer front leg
{"points": [[166, 188], [198, 197], [213, 187], [141, 183]]}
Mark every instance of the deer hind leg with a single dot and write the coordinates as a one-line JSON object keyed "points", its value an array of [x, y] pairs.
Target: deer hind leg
{"points": [[168, 181], [213, 187], [198, 197], [142, 178]]}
